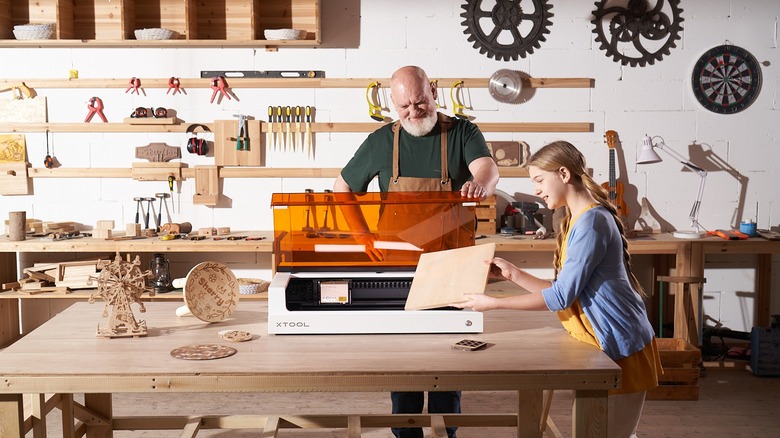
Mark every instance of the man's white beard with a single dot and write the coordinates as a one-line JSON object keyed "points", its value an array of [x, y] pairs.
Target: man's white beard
{"points": [[422, 127]]}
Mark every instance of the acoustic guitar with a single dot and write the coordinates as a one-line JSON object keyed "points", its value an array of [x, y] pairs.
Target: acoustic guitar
{"points": [[613, 186]]}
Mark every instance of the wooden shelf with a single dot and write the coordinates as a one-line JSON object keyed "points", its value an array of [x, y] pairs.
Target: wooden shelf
{"points": [[224, 172], [283, 82], [228, 23], [315, 127]]}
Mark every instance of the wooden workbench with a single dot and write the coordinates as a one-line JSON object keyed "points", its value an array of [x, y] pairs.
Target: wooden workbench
{"points": [[528, 352], [687, 256]]}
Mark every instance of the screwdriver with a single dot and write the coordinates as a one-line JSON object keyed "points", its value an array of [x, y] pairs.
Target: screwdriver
{"points": [[170, 187]]}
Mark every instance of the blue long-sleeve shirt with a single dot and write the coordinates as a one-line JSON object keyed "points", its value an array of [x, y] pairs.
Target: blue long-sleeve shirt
{"points": [[594, 273]]}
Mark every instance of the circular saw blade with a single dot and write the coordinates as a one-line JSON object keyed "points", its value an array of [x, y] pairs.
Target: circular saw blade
{"points": [[505, 86]]}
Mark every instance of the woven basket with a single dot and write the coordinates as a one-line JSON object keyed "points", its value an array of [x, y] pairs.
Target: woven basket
{"points": [[249, 286], [285, 34], [42, 31], [155, 33]]}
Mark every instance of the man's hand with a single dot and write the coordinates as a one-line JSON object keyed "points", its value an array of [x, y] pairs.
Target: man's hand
{"points": [[473, 190]]}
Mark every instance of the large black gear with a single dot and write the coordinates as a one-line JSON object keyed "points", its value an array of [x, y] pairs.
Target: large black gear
{"points": [[506, 16], [629, 26]]}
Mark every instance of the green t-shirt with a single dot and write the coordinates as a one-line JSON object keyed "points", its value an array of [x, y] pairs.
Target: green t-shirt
{"points": [[419, 157]]}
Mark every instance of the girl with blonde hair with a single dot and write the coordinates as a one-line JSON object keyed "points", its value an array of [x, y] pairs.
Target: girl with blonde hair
{"points": [[597, 297]]}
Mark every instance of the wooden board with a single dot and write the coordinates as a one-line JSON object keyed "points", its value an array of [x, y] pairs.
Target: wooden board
{"points": [[443, 277]]}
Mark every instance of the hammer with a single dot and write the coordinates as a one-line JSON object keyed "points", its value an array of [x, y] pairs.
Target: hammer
{"points": [[138, 208], [149, 208], [163, 197]]}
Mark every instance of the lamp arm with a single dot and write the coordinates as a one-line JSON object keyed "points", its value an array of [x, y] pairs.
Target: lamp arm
{"points": [[699, 171], [694, 214]]}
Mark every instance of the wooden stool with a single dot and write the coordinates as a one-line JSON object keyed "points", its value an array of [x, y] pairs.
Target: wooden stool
{"points": [[687, 307]]}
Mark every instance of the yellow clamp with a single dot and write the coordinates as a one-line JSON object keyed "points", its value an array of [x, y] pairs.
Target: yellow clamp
{"points": [[457, 106], [374, 108]]}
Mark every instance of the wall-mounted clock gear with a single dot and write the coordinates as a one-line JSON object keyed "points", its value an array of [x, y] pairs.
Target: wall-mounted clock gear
{"points": [[509, 29], [637, 35], [726, 79]]}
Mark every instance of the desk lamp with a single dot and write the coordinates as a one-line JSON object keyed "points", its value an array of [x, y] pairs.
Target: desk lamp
{"points": [[648, 156]]}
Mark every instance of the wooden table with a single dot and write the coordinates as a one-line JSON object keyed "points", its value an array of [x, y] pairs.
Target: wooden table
{"points": [[529, 352], [688, 260]]}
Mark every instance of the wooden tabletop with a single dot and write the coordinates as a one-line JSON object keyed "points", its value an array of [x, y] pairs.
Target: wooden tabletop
{"points": [[528, 350]]}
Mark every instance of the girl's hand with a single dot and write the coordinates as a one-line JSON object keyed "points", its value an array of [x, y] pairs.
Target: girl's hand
{"points": [[478, 302], [500, 268]]}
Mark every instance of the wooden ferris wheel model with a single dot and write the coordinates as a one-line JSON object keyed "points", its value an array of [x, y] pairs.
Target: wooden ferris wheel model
{"points": [[120, 284]]}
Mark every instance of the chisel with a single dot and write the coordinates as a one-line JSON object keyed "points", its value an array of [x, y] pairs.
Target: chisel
{"points": [[308, 132], [269, 130], [279, 124], [287, 124]]}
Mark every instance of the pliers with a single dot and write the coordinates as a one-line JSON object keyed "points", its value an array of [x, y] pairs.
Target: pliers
{"points": [[242, 139], [174, 84], [135, 84], [95, 105], [219, 85]]}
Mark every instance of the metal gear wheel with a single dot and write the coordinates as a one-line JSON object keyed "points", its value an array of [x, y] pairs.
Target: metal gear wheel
{"points": [[491, 30], [651, 32]]}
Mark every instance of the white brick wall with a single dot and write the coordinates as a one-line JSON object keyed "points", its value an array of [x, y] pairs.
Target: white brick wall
{"points": [[739, 149]]}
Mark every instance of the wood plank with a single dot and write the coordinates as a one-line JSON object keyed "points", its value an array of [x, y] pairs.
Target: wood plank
{"points": [[442, 277], [280, 82]]}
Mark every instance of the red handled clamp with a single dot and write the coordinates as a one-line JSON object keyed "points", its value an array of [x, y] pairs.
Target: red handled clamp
{"points": [[135, 84], [219, 85], [175, 85], [95, 105]]}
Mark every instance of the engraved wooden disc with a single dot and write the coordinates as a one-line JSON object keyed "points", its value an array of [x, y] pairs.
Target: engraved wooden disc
{"points": [[235, 335], [211, 291], [203, 352]]}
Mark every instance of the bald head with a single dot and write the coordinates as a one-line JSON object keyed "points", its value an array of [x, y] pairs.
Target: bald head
{"points": [[414, 99]]}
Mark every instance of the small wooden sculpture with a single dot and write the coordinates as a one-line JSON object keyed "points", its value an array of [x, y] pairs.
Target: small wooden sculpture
{"points": [[120, 284]]}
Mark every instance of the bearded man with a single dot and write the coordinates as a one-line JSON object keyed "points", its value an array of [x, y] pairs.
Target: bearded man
{"points": [[407, 156]]}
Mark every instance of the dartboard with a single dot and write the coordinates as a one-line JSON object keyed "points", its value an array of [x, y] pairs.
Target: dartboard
{"points": [[726, 79]]}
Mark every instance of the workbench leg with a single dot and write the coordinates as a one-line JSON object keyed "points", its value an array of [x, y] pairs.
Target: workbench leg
{"points": [[38, 414], [68, 410], [354, 428], [100, 404], [589, 414], [11, 415], [763, 290], [529, 411], [9, 307]]}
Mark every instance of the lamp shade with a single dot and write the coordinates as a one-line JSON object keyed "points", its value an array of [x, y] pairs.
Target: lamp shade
{"points": [[648, 154]]}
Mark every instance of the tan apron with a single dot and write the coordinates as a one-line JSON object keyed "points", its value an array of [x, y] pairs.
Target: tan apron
{"points": [[429, 227]]}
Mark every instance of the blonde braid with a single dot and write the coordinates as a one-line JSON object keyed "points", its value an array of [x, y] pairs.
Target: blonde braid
{"points": [[602, 196]]}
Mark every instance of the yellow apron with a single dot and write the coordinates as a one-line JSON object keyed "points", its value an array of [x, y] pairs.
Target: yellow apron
{"points": [[640, 371]]}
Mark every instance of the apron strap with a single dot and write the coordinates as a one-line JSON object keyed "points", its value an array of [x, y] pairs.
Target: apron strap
{"points": [[445, 122]]}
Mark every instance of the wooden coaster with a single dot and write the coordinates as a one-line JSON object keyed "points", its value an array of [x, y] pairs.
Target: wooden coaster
{"points": [[211, 291], [235, 335], [203, 352]]}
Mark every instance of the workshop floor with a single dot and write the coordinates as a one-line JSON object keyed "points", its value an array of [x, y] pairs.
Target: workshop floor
{"points": [[732, 403]]}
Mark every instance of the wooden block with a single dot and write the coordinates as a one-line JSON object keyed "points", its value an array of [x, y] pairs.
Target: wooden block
{"points": [[105, 225], [225, 152], [207, 232], [132, 230], [101, 234], [223, 231], [14, 179], [509, 153], [157, 171], [151, 121], [206, 185]]}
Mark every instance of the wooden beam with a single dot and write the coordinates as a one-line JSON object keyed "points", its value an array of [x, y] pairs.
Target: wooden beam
{"points": [[286, 82]]}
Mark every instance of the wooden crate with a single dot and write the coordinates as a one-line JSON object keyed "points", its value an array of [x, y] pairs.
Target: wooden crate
{"points": [[680, 380], [486, 216]]}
